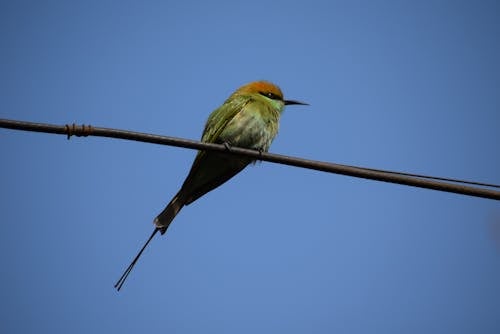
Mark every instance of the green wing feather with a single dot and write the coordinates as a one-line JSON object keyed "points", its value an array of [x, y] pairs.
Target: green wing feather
{"points": [[209, 169], [219, 118], [217, 122]]}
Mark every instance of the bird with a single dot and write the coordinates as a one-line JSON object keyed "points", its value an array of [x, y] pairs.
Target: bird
{"points": [[249, 118]]}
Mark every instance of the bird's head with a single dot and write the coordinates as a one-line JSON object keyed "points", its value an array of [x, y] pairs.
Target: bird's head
{"points": [[268, 90]]}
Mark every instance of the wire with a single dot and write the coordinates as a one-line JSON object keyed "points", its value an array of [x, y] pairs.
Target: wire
{"points": [[415, 180], [482, 184]]}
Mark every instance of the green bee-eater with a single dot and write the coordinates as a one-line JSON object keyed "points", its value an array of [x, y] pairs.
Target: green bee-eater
{"points": [[249, 118]]}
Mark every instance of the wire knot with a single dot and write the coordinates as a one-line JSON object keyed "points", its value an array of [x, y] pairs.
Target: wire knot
{"points": [[79, 131]]}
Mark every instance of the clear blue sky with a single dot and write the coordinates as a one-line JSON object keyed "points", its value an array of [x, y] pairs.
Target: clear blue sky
{"points": [[400, 85]]}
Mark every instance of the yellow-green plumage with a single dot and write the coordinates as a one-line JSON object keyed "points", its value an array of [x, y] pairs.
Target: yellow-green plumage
{"points": [[249, 118], [246, 120]]}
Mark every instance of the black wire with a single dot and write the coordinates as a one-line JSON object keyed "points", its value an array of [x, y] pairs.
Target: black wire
{"points": [[422, 181], [436, 178]]}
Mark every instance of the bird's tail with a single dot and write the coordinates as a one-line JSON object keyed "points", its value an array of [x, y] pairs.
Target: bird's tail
{"points": [[163, 220]]}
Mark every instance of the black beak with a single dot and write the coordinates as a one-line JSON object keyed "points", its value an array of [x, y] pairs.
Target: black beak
{"points": [[289, 102]]}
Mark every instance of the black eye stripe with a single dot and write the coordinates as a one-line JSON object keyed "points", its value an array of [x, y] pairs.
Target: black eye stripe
{"points": [[271, 95]]}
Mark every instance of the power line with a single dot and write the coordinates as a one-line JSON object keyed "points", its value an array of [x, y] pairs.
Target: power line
{"points": [[415, 180], [482, 184]]}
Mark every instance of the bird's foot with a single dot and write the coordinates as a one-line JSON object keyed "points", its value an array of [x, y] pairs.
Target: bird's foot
{"points": [[227, 146]]}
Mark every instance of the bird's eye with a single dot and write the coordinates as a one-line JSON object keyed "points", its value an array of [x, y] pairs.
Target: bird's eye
{"points": [[271, 95]]}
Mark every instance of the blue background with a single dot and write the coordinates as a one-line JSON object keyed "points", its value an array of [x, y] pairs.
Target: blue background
{"points": [[400, 85]]}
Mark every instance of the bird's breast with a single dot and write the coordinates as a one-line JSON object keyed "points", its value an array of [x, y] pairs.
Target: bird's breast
{"points": [[253, 130]]}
